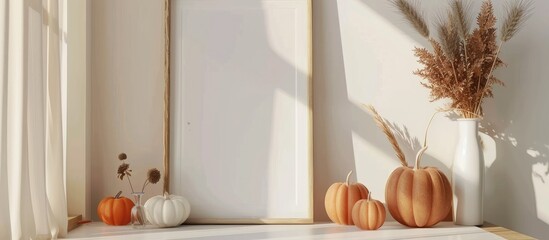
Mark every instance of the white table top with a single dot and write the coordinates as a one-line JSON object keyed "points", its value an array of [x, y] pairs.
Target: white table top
{"points": [[391, 230]]}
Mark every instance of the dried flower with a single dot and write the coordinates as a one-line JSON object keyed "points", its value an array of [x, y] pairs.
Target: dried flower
{"points": [[153, 175], [123, 170], [122, 156]]}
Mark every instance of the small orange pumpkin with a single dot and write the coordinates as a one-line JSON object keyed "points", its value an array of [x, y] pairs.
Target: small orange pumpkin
{"points": [[418, 197], [369, 214], [115, 210], [340, 199]]}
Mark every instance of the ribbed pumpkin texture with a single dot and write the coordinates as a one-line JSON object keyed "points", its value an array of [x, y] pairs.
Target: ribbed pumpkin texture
{"points": [[115, 210], [369, 214], [418, 197], [340, 199], [168, 210]]}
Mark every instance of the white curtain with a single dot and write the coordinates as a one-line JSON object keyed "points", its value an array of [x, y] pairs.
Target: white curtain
{"points": [[32, 190]]}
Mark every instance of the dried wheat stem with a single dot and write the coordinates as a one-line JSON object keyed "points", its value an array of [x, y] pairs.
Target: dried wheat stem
{"points": [[414, 17], [442, 111], [465, 51], [478, 81], [465, 112], [428, 126], [455, 74], [380, 122], [461, 18], [516, 15], [477, 108]]}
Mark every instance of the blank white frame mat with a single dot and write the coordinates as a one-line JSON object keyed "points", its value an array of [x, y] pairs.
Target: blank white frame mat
{"points": [[241, 109]]}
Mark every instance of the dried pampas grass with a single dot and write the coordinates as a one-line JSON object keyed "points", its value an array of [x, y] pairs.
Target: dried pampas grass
{"points": [[461, 63]]}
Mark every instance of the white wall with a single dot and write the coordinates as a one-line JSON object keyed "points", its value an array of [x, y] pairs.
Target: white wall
{"points": [[127, 90], [362, 54]]}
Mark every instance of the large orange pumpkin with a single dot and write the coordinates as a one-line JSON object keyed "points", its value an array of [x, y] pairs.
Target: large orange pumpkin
{"points": [[369, 214], [115, 210], [418, 197], [340, 199]]}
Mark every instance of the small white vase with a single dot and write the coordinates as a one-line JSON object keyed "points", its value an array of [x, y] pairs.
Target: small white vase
{"points": [[468, 175]]}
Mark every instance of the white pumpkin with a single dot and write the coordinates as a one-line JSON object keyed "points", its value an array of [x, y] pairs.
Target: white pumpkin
{"points": [[167, 210]]}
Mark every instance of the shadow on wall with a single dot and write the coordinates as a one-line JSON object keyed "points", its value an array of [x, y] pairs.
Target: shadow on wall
{"points": [[338, 122], [329, 100], [517, 179]]}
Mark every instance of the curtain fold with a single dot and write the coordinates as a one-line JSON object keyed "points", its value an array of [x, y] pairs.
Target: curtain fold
{"points": [[5, 230], [32, 192]]}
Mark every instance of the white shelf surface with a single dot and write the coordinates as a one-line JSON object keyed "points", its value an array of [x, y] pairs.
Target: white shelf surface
{"points": [[390, 230]]}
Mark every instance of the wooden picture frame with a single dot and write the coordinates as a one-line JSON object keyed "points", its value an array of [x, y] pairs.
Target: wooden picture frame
{"points": [[238, 110]]}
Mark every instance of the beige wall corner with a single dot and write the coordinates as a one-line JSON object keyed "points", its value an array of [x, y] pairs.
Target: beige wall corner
{"points": [[127, 89], [78, 77]]}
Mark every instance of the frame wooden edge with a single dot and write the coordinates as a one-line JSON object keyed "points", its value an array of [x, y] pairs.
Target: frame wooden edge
{"points": [[166, 128], [73, 222], [311, 123], [167, 89]]}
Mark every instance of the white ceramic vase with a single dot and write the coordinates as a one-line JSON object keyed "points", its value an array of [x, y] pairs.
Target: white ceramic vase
{"points": [[468, 175]]}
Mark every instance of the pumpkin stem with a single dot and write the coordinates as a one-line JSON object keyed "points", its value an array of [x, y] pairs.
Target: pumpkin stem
{"points": [[369, 195], [348, 175], [424, 148], [419, 155], [118, 195]]}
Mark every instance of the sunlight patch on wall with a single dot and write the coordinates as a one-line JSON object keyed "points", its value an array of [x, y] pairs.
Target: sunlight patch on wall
{"points": [[513, 141], [533, 153], [540, 172], [280, 158], [489, 149]]}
